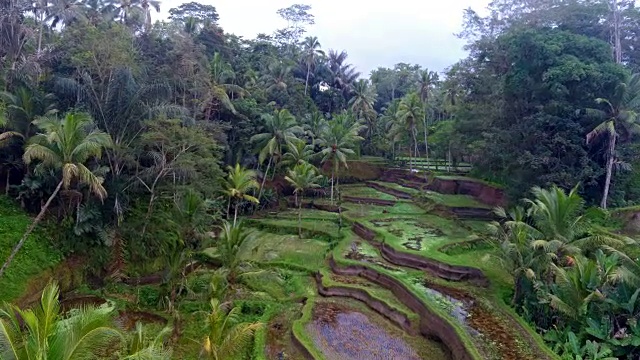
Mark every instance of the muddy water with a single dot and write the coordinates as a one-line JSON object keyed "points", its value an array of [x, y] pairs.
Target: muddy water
{"points": [[347, 334]]}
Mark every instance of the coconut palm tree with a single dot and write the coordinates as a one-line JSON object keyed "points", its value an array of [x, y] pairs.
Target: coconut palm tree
{"points": [[218, 87], [302, 177], [311, 52], [620, 122], [229, 247], [298, 152], [389, 120], [575, 289], [426, 81], [276, 76], [410, 111], [565, 227], [313, 124], [20, 110], [65, 146], [64, 12], [238, 184], [227, 336], [362, 101], [338, 141], [279, 129], [344, 75], [45, 333]]}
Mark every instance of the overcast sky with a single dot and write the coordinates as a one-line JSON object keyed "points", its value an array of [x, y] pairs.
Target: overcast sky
{"points": [[374, 33]]}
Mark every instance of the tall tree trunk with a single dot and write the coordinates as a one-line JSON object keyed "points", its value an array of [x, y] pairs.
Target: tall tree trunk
{"points": [[33, 225], [617, 20], [306, 83], [410, 159], [235, 215], [300, 216], [415, 145], [607, 183], [264, 178], [6, 184], [332, 180], [40, 30], [229, 208]]}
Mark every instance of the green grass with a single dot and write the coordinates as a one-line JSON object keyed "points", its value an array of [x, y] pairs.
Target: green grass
{"points": [[453, 200], [465, 178], [35, 257], [267, 247], [365, 192]]}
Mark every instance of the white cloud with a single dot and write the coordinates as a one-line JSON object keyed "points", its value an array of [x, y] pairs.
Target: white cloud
{"points": [[374, 33]]}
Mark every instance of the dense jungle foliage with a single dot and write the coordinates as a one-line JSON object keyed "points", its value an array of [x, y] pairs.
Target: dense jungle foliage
{"points": [[134, 142]]}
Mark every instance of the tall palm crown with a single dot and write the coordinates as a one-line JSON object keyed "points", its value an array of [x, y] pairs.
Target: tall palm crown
{"points": [[45, 333], [311, 52], [314, 124], [238, 184], [302, 177], [219, 87], [340, 137], [66, 145], [344, 75], [298, 152], [620, 121], [425, 83], [363, 97], [276, 76], [410, 111], [64, 12], [338, 141], [279, 128]]}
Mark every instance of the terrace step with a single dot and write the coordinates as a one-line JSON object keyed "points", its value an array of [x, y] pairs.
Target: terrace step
{"points": [[387, 190], [431, 324], [433, 267], [382, 308]]}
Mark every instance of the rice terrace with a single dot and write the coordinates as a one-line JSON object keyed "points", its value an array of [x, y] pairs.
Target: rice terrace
{"points": [[172, 190]]}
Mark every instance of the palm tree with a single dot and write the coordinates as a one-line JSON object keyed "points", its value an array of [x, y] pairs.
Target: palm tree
{"points": [[426, 80], [311, 51], [409, 111], [389, 120], [276, 76], [218, 87], [565, 228], [279, 129], [576, 289], [314, 124], [231, 244], [227, 337], [126, 9], [64, 146], [344, 75], [21, 109], [44, 333], [364, 96], [621, 120], [338, 140], [298, 152], [303, 176], [238, 184], [65, 12]]}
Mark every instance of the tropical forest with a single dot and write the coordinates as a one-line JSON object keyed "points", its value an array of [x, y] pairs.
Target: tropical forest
{"points": [[171, 190]]}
